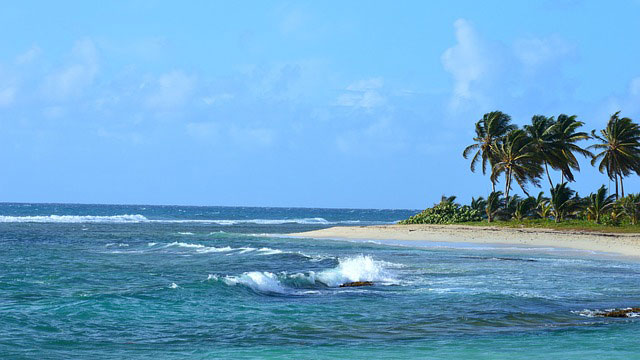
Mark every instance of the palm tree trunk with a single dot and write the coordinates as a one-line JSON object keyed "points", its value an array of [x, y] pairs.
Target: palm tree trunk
{"points": [[621, 185], [507, 186], [548, 176], [616, 180], [493, 186]]}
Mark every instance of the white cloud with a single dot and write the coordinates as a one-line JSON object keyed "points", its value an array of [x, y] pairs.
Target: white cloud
{"points": [[216, 99], [7, 96], [467, 61], [367, 84], [363, 94], [535, 52], [634, 87], [253, 137], [172, 89], [203, 130], [28, 56], [488, 74], [73, 79]]}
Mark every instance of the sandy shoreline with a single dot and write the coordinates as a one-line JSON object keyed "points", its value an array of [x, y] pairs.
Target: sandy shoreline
{"points": [[623, 244]]}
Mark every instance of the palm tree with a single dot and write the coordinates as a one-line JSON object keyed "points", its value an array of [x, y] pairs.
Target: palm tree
{"points": [[543, 141], [566, 136], [543, 207], [563, 202], [619, 149], [599, 203], [494, 205], [447, 199], [514, 157], [489, 130], [524, 208], [510, 207], [479, 204], [631, 206]]}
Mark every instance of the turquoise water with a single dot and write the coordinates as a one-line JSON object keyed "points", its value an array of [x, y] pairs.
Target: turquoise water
{"points": [[139, 282]]}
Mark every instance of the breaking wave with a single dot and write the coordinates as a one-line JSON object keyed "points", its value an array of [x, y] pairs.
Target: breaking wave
{"points": [[137, 218], [74, 219], [359, 268]]}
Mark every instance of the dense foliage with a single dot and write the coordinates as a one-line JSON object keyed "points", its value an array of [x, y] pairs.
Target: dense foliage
{"points": [[446, 212], [526, 155]]}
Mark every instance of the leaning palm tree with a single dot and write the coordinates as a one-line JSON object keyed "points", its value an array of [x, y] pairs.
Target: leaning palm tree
{"points": [[566, 135], [631, 207], [489, 130], [619, 149], [563, 202], [515, 158], [543, 142], [494, 205], [598, 203]]}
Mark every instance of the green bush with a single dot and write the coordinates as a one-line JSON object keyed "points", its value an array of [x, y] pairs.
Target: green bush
{"points": [[445, 213]]}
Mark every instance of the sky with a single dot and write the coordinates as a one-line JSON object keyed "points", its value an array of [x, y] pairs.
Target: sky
{"points": [[357, 104]]}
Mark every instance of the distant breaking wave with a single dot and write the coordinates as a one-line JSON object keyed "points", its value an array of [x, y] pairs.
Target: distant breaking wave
{"points": [[74, 219], [136, 218]]}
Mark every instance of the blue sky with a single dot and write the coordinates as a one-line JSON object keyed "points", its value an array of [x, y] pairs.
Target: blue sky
{"points": [[319, 104]]}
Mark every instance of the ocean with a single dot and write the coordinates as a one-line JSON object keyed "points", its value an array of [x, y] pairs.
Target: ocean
{"points": [[175, 282]]}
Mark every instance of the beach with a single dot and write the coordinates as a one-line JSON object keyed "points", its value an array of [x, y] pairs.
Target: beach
{"points": [[622, 244]]}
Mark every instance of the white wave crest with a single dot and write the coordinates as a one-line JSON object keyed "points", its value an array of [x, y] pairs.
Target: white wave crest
{"points": [[359, 268], [137, 218], [74, 219], [269, 251], [259, 281], [199, 248]]}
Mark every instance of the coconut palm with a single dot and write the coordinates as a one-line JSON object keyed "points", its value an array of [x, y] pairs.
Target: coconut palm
{"points": [[619, 149], [543, 142], [524, 208], [489, 130], [494, 205], [510, 207], [563, 202], [479, 204], [566, 135], [514, 157], [447, 199], [598, 203], [543, 207], [631, 207]]}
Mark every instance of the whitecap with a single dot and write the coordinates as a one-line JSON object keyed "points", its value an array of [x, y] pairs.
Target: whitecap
{"points": [[359, 268], [74, 219], [259, 281], [268, 251]]}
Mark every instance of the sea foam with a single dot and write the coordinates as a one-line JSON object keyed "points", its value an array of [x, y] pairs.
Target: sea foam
{"points": [[137, 218], [359, 268], [74, 219]]}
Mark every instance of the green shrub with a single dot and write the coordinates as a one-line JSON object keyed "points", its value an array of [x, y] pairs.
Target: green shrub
{"points": [[445, 213]]}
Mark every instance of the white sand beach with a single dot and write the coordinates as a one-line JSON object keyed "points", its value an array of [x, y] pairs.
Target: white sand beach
{"points": [[623, 244]]}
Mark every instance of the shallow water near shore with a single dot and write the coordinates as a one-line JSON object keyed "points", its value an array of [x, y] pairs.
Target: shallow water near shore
{"points": [[96, 281]]}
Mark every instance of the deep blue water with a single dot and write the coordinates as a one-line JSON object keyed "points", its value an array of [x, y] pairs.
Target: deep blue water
{"points": [[106, 281]]}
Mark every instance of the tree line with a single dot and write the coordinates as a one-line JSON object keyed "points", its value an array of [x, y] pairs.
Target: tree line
{"points": [[525, 155]]}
